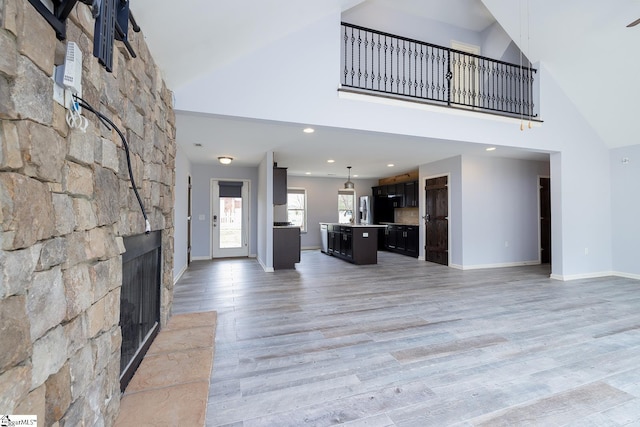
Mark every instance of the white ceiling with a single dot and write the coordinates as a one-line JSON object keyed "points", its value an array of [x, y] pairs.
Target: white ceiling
{"points": [[584, 43], [306, 154]]}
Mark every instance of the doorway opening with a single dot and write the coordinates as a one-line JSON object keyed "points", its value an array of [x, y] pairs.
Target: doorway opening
{"points": [[545, 219], [229, 218], [189, 213]]}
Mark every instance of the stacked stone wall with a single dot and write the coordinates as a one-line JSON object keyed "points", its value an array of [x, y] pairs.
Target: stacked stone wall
{"points": [[66, 203]]}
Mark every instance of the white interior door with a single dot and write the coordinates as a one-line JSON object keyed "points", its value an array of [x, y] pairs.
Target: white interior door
{"points": [[465, 81], [229, 218]]}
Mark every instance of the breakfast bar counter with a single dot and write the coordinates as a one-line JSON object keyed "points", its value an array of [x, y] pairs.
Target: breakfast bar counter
{"points": [[357, 243]]}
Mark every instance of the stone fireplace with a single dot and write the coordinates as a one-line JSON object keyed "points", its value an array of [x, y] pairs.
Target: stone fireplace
{"points": [[67, 211], [139, 300]]}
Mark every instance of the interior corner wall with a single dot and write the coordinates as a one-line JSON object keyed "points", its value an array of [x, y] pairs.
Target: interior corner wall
{"points": [[181, 210], [265, 212], [500, 211], [581, 220], [625, 203]]}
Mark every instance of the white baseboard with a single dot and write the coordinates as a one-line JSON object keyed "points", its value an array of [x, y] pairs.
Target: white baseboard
{"points": [[179, 275], [569, 277], [264, 267], [200, 258], [626, 275], [499, 265]]}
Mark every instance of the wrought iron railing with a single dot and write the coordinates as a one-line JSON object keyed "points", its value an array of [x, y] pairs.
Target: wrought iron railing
{"points": [[374, 61]]}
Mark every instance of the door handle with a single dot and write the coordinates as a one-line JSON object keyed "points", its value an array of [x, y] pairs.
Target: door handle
{"points": [[215, 220]]}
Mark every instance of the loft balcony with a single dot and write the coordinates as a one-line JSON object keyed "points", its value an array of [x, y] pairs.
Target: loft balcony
{"points": [[383, 64]]}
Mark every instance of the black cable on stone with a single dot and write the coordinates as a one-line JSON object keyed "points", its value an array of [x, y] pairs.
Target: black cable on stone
{"points": [[110, 125]]}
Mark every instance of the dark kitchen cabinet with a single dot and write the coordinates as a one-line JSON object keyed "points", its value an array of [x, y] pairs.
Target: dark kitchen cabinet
{"points": [[397, 201], [334, 239], [346, 242], [355, 244], [279, 186], [411, 241], [380, 190], [403, 195], [402, 239], [411, 195], [391, 236], [286, 247]]}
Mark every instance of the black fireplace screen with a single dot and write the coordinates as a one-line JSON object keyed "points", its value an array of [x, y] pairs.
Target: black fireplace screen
{"points": [[139, 300]]}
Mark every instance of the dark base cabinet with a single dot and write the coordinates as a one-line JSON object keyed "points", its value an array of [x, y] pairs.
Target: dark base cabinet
{"points": [[402, 239], [356, 244], [286, 247]]}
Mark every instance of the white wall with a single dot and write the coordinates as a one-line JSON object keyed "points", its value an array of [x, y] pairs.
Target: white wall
{"points": [[625, 202], [265, 212], [371, 14], [183, 170], [500, 212], [201, 176], [579, 163], [322, 202]]}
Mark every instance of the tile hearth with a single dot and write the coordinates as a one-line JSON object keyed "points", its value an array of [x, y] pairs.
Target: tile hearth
{"points": [[172, 383]]}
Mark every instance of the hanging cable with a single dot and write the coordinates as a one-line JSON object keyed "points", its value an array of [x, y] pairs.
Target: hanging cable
{"points": [[110, 125]]}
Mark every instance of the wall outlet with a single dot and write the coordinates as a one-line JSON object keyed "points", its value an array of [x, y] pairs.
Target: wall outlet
{"points": [[506, 243], [586, 251]]}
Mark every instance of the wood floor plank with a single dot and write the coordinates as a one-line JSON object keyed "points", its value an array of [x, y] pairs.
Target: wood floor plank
{"points": [[331, 343]]}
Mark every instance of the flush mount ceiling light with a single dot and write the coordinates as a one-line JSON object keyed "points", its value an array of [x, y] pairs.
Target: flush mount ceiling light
{"points": [[308, 130], [225, 160], [390, 165], [331, 161]]}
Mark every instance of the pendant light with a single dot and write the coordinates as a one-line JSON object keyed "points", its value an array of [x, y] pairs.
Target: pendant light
{"points": [[349, 184]]}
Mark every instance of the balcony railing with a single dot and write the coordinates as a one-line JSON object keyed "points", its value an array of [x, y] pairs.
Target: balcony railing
{"points": [[374, 61]]}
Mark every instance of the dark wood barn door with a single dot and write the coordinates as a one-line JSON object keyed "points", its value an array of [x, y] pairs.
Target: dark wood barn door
{"points": [[437, 221]]}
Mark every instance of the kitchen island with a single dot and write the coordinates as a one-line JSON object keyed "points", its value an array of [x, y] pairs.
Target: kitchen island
{"points": [[357, 243]]}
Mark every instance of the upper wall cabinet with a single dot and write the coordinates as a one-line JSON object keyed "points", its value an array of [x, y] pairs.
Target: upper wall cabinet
{"points": [[411, 194], [279, 186], [405, 194]]}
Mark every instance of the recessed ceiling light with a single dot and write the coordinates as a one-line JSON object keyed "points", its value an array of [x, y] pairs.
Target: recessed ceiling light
{"points": [[390, 165], [355, 176], [308, 130], [331, 161], [491, 149], [307, 173]]}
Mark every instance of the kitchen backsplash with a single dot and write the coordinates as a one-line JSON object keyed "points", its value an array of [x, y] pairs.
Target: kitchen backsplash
{"points": [[410, 216]]}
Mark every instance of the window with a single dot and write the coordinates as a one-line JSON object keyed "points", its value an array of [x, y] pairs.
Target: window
{"points": [[346, 206], [297, 207]]}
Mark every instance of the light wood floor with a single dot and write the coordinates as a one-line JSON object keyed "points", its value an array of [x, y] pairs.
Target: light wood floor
{"points": [[410, 343]]}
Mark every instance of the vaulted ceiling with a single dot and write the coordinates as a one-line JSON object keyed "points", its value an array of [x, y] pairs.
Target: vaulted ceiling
{"points": [[583, 43]]}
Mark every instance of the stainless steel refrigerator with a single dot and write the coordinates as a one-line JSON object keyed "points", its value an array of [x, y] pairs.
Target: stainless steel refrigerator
{"points": [[364, 210]]}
